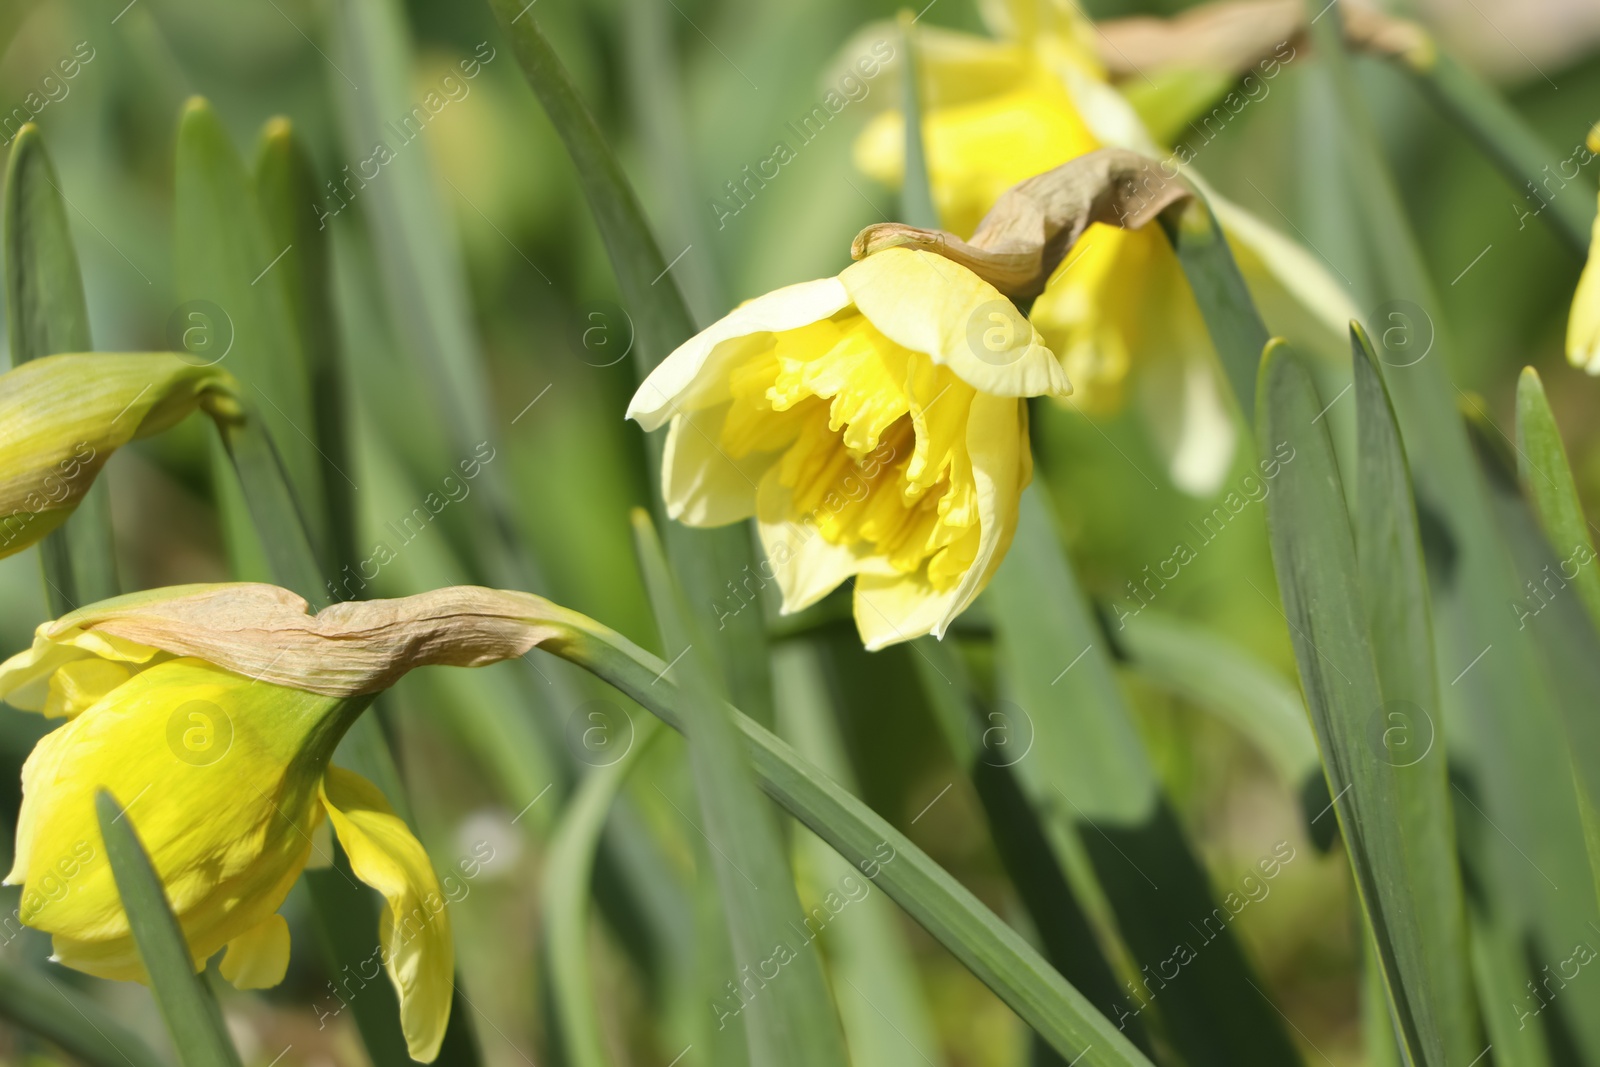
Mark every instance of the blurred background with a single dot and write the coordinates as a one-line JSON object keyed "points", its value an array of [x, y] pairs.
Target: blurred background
{"points": [[506, 277]]}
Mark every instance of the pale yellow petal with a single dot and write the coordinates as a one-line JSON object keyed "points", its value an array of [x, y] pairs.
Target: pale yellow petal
{"points": [[701, 483], [1583, 326], [891, 609], [805, 564], [259, 957], [414, 930], [1191, 423], [695, 375], [928, 304]]}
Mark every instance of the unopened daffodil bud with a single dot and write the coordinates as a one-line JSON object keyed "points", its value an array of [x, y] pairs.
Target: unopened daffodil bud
{"points": [[211, 713], [873, 423], [1583, 325], [63, 416]]}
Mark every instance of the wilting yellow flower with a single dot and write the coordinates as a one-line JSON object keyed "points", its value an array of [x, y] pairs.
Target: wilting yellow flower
{"points": [[998, 111], [61, 417], [1583, 326], [873, 423], [211, 713]]}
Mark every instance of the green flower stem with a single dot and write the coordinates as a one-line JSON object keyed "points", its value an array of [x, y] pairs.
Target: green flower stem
{"points": [[999, 956]]}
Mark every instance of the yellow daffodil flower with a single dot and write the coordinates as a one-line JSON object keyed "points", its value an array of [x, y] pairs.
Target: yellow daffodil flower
{"points": [[63, 416], [212, 713], [873, 423], [998, 111], [1583, 325]]}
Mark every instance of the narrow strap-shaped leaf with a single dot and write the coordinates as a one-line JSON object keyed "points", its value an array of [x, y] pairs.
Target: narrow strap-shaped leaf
{"points": [[46, 313], [1090, 772], [1387, 794], [237, 303], [916, 192], [1547, 479], [885, 1013], [1046, 868], [190, 1011], [800, 1026], [1509, 142], [1225, 303], [1420, 887], [1000, 957], [76, 1023], [569, 869], [1511, 735], [1550, 611], [287, 190], [704, 560]]}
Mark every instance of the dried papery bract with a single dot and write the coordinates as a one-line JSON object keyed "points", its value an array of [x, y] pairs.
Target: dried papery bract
{"points": [[1233, 36], [1031, 228]]}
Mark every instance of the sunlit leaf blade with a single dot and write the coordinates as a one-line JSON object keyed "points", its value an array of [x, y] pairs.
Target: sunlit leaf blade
{"points": [[234, 308], [569, 870], [1425, 905], [999, 957], [705, 561], [287, 188], [74, 1022], [885, 1013], [1089, 769], [1384, 759], [1547, 479], [46, 313], [763, 915], [1551, 612], [1230, 313], [1045, 864], [1509, 735], [190, 1011]]}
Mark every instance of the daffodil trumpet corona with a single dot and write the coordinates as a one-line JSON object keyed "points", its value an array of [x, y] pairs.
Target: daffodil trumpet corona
{"points": [[61, 418], [212, 714]]}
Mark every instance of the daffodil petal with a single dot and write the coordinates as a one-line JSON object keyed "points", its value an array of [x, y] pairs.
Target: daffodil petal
{"points": [[1583, 326], [694, 375], [259, 957], [805, 564], [701, 483], [219, 775], [926, 303], [415, 927], [894, 608]]}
